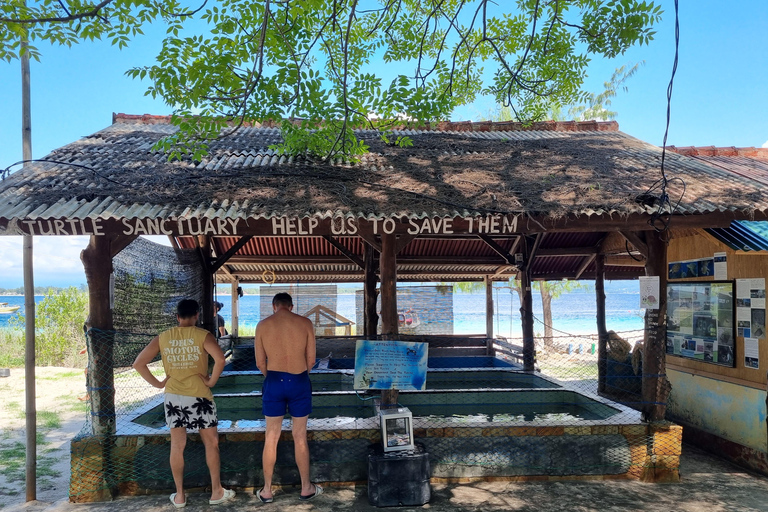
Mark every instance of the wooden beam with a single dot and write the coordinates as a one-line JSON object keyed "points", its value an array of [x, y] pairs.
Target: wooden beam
{"points": [[567, 251], [371, 240], [403, 241], [635, 240], [389, 322], [216, 264], [488, 311], [656, 387], [120, 242], [97, 263], [235, 308], [584, 264], [388, 273], [346, 252], [526, 306], [370, 294], [497, 249], [602, 331], [336, 260]]}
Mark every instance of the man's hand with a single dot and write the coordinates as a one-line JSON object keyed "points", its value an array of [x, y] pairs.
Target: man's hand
{"points": [[161, 383], [207, 380]]}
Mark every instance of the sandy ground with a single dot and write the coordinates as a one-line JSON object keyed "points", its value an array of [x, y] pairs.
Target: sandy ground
{"points": [[57, 391]]}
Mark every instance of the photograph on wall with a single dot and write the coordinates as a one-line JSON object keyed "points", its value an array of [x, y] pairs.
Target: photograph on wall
{"points": [[704, 267], [750, 307], [721, 266], [700, 321], [751, 353]]}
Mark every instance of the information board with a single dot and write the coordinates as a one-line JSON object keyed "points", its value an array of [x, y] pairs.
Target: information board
{"points": [[389, 364], [700, 321]]}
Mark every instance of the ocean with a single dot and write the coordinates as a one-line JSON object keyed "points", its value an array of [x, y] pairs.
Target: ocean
{"points": [[573, 313]]}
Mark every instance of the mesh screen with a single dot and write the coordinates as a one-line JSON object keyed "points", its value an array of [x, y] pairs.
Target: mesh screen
{"points": [[481, 415]]}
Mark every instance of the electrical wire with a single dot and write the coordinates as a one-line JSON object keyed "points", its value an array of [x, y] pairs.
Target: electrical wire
{"points": [[661, 218]]}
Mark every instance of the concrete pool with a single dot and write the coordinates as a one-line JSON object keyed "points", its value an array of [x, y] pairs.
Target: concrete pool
{"points": [[494, 421]]}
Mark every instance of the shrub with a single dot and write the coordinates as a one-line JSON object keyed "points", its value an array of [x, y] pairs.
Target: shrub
{"points": [[59, 319]]}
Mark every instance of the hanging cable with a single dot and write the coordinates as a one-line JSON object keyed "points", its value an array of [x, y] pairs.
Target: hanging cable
{"points": [[660, 201]]}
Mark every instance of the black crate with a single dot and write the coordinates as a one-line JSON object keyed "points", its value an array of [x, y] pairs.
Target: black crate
{"points": [[398, 478]]}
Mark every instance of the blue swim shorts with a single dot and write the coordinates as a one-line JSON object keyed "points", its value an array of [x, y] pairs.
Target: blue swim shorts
{"points": [[283, 390]]}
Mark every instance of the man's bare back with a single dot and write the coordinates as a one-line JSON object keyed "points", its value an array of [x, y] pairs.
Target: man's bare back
{"points": [[285, 342]]}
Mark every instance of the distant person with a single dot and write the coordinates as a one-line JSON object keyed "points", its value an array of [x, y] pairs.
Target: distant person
{"points": [[220, 324], [285, 352], [225, 342], [188, 399]]}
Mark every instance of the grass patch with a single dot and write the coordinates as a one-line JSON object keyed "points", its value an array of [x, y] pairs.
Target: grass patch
{"points": [[11, 348], [48, 419], [65, 375], [13, 461]]}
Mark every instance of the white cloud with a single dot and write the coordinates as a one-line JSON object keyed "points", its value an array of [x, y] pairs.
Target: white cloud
{"points": [[55, 259], [765, 144]]}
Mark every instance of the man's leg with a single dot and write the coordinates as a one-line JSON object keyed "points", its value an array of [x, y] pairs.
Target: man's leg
{"points": [[301, 453], [269, 455], [210, 438], [178, 442]]}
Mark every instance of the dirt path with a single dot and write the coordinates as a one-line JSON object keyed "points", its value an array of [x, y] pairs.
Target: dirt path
{"points": [[60, 416]]}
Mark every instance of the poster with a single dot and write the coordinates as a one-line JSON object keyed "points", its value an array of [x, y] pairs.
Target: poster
{"points": [[649, 292], [721, 266], [700, 321], [390, 365], [750, 307], [751, 353], [704, 267]]}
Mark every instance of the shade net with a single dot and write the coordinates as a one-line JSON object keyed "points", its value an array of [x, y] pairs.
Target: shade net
{"points": [[560, 405]]}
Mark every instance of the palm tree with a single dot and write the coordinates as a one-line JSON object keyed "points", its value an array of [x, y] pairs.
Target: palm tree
{"points": [[203, 406]]}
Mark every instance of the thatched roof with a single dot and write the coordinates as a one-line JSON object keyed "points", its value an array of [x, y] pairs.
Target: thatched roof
{"points": [[542, 173]]}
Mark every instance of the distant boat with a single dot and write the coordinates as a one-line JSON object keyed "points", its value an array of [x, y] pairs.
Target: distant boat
{"points": [[5, 308]]}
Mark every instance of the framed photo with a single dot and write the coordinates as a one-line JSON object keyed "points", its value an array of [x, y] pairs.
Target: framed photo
{"points": [[701, 321]]}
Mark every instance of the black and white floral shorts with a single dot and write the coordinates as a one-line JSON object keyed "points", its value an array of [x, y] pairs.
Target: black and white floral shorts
{"points": [[190, 412]]}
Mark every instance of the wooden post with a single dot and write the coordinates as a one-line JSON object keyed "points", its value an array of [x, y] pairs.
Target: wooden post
{"points": [[235, 309], [656, 387], [208, 313], [389, 323], [602, 332], [29, 291], [488, 314], [97, 262], [526, 307], [370, 316]]}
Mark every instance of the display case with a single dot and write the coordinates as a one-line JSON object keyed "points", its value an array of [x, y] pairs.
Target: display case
{"points": [[396, 429]]}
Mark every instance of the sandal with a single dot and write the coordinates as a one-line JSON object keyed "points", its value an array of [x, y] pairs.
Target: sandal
{"points": [[228, 495], [177, 505], [262, 498], [318, 492]]}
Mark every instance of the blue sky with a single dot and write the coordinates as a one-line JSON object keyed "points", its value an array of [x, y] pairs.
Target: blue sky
{"points": [[719, 98]]}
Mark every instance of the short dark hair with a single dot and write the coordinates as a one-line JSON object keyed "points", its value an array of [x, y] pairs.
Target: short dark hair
{"points": [[219, 305], [282, 299], [187, 308]]}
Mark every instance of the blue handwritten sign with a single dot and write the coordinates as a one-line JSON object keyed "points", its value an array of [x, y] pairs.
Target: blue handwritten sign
{"points": [[390, 365]]}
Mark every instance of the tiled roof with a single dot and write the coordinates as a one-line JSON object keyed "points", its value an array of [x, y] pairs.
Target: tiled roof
{"points": [[548, 170]]}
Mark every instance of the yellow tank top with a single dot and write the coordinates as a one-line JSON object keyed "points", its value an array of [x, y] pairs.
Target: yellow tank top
{"points": [[184, 359]]}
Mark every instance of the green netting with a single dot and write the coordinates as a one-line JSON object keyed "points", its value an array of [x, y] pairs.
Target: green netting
{"points": [[481, 415]]}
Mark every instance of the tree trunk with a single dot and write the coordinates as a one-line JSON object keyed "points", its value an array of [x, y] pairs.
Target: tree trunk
{"points": [[546, 304]]}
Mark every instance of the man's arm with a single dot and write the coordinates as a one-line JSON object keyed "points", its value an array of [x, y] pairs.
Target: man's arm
{"points": [[144, 358], [311, 348], [214, 350], [260, 353]]}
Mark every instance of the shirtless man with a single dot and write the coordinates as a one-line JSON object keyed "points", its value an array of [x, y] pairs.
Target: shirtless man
{"points": [[285, 352]]}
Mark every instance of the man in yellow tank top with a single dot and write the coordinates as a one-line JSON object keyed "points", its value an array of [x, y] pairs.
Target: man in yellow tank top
{"points": [[188, 398]]}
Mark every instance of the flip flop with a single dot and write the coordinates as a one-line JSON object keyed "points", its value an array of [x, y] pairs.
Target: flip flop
{"points": [[262, 498], [177, 505], [318, 492], [228, 495]]}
